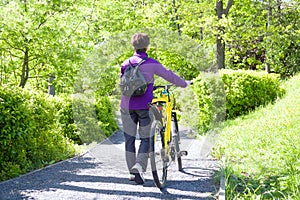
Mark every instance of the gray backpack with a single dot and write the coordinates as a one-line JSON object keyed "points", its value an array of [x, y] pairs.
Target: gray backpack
{"points": [[133, 82]]}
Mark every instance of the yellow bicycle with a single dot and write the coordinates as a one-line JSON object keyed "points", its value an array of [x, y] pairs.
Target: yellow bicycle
{"points": [[165, 137]]}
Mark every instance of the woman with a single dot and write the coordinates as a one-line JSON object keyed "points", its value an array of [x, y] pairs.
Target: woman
{"points": [[135, 110]]}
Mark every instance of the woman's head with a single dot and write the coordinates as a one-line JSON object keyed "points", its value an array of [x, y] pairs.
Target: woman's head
{"points": [[140, 42]]}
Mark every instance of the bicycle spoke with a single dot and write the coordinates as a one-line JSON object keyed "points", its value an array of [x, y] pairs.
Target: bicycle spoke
{"points": [[158, 166], [163, 113]]}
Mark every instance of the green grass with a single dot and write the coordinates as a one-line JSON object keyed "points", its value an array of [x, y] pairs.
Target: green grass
{"points": [[262, 150]]}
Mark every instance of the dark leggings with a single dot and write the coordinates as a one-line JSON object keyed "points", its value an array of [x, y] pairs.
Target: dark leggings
{"points": [[131, 120]]}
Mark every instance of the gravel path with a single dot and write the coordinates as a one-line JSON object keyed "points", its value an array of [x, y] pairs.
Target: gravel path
{"points": [[101, 173]]}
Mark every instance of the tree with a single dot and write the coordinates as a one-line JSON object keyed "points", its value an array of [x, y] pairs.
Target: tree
{"points": [[263, 33], [221, 13], [176, 17], [37, 39]]}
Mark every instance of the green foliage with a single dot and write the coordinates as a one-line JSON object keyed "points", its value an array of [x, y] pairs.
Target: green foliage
{"points": [[172, 61], [64, 115], [105, 116], [233, 93], [57, 36], [14, 125], [107, 81], [175, 62], [85, 121], [210, 94], [94, 118], [262, 151], [256, 38], [247, 90], [284, 54], [38, 37], [37, 129], [112, 16], [29, 137]]}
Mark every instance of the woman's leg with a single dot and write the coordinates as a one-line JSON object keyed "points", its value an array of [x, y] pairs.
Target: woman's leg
{"points": [[144, 132], [129, 121]]}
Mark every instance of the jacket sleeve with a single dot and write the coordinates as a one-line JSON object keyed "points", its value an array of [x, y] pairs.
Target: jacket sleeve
{"points": [[169, 75]]}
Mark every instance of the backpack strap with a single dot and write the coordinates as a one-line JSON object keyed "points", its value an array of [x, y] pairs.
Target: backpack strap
{"points": [[138, 65]]}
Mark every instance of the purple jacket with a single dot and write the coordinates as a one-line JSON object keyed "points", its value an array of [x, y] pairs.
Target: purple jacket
{"points": [[149, 68]]}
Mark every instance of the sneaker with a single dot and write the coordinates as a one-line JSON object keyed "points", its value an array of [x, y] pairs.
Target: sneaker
{"points": [[131, 177], [139, 175]]}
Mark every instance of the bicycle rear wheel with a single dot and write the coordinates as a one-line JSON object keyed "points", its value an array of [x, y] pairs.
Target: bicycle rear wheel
{"points": [[179, 160], [176, 139], [157, 155]]}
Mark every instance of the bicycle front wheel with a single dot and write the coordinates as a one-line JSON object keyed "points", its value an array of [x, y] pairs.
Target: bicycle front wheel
{"points": [[157, 155]]}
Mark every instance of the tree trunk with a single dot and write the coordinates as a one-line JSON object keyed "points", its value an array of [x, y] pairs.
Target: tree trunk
{"points": [[25, 64], [201, 28], [25, 69], [201, 34], [51, 87], [279, 3], [267, 67], [220, 11], [220, 53], [176, 18], [220, 43]]}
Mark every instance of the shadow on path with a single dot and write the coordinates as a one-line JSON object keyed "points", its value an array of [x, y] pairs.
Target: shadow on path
{"points": [[58, 176], [66, 177]]}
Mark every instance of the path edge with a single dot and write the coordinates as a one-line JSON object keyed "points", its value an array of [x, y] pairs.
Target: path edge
{"points": [[222, 188]]}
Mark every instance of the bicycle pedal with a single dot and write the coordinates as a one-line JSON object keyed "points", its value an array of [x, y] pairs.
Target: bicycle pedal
{"points": [[183, 153]]}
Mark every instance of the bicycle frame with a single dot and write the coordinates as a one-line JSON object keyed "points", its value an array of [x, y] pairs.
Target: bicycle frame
{"points": [[167, 120], [165, 146]]}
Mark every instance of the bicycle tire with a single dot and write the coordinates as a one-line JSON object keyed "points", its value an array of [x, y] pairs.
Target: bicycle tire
{"points": [[179, 160], [158, 163], [176, 139]]}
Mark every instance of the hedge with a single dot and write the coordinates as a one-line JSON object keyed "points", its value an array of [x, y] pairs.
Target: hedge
{"points": [[247, 90], [29, 136], [37, 129], [232, 93]]}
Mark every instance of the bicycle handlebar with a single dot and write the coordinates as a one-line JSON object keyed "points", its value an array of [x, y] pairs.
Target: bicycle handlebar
{"points": [[167, 86]]}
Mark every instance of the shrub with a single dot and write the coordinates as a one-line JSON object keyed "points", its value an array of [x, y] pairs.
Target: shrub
{"points": [[94, 118], [107, 81], [233, 93], [67, 126], [83, 119], [14, 128], [247, 90], [105, 116], [209, 90], [262, 150], [29, 136]]}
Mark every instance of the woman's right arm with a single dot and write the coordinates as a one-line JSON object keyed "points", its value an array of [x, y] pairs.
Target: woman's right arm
{"points": [[169, 75]]}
